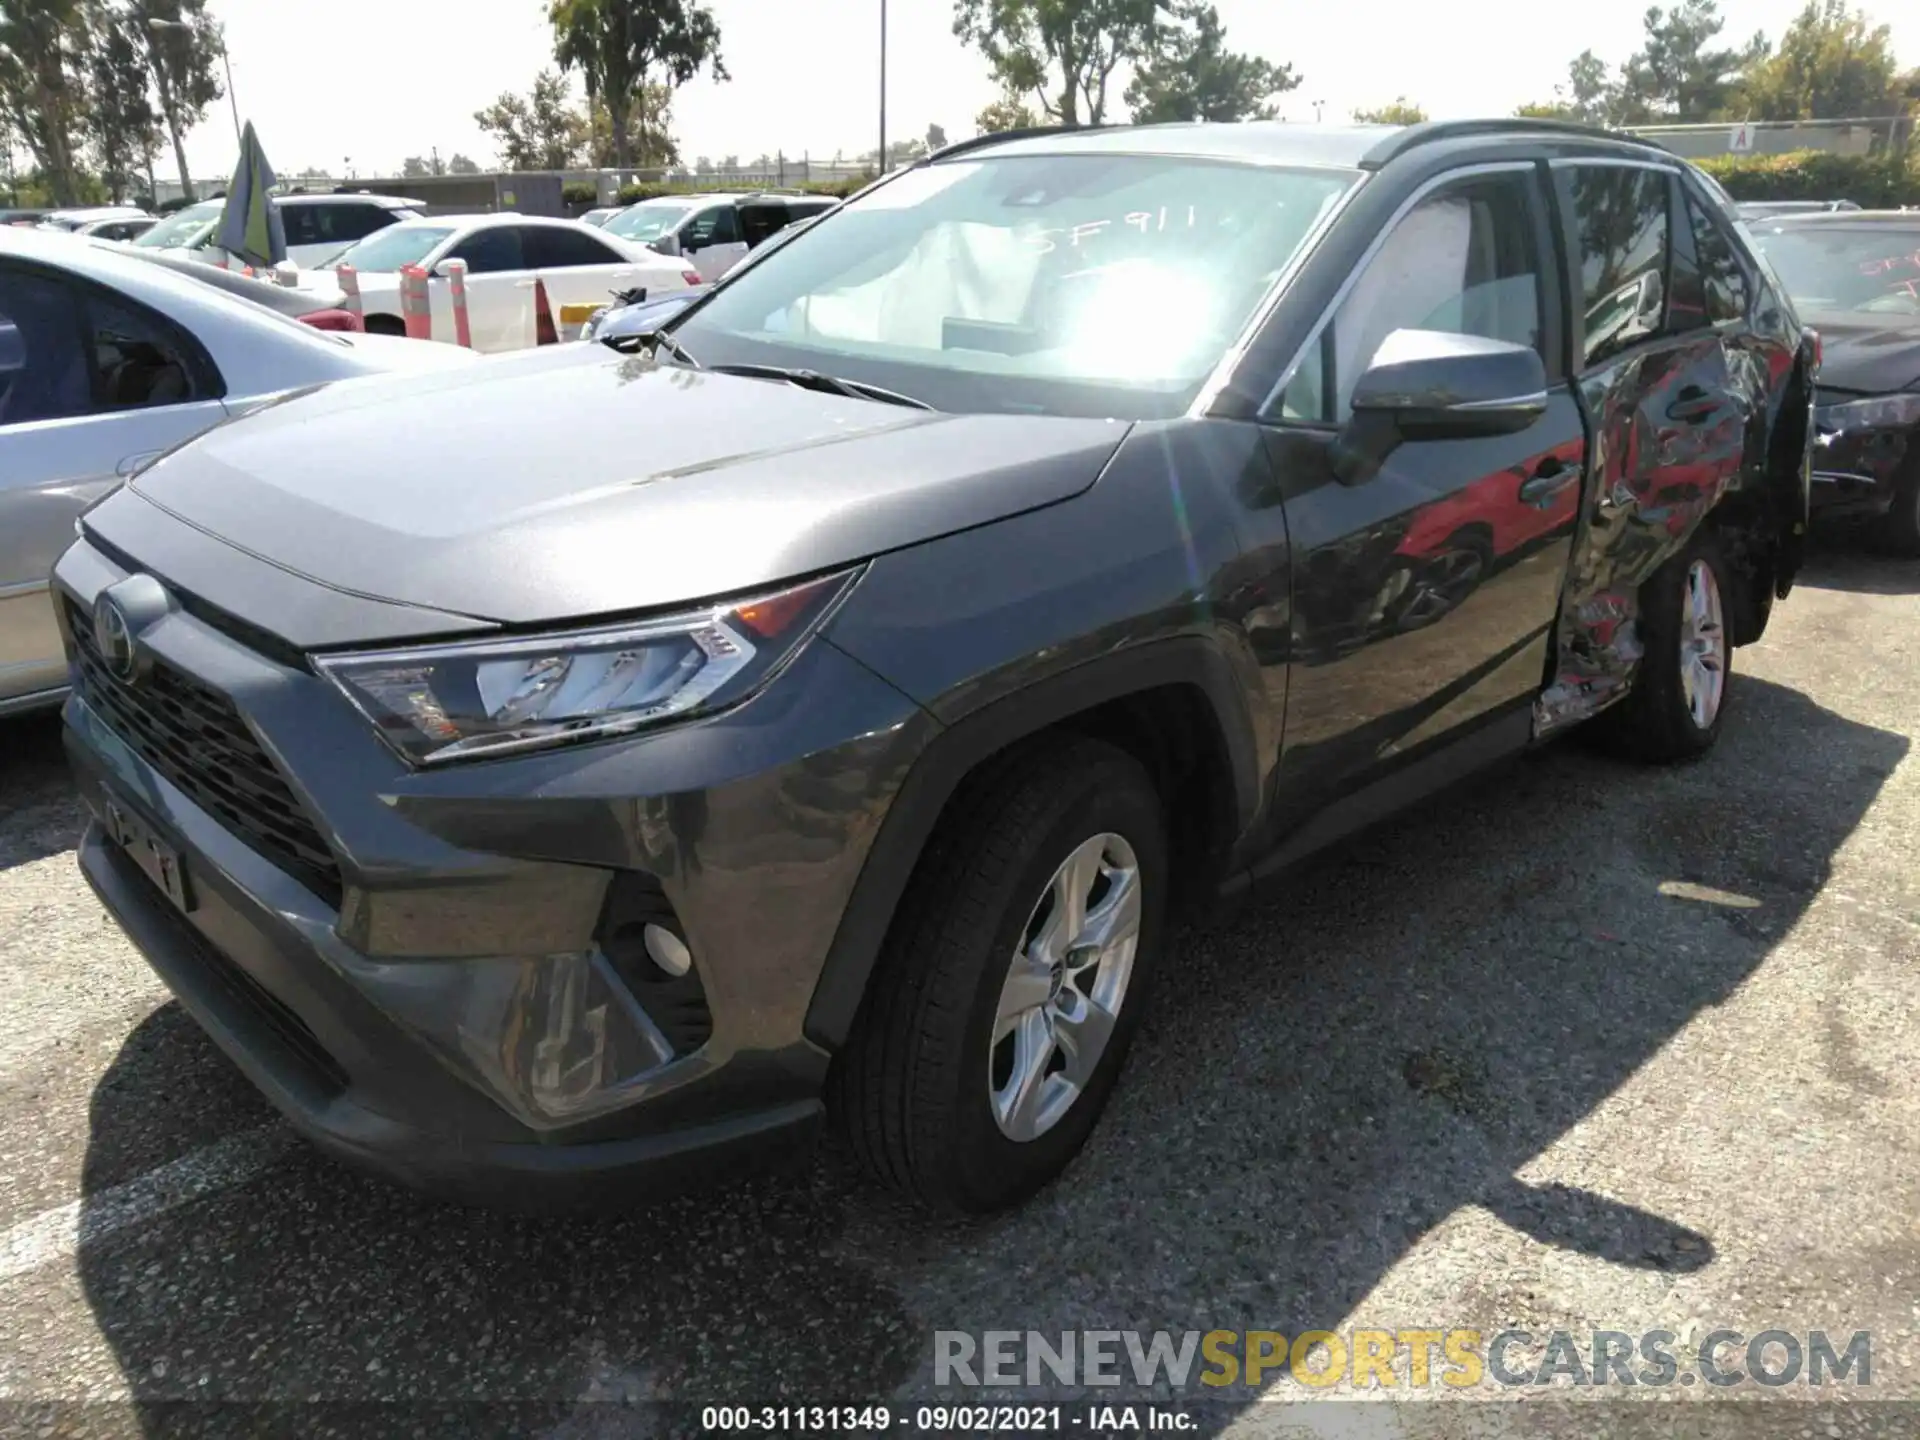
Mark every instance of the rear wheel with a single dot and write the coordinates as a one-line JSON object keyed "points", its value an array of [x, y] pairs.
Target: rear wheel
{"points": [[1680, 695], [385, 325], [1012, 981]]}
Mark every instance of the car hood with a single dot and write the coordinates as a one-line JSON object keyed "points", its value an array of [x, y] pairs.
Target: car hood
{"points": [[570, 482], [396, 352], [1871, 356]]}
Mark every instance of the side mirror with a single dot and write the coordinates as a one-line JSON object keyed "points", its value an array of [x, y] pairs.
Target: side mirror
{"points": [[668, 244], [1430, 385]]}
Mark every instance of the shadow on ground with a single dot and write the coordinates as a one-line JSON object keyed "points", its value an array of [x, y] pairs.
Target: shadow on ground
{"points": [[1837, 562], [39, 814], [1385, 1037]]}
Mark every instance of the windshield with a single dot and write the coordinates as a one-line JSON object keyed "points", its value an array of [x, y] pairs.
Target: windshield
{"points": [[391, 248], [184, 227], [1084, 284], [646, 221], [1873, 268]]}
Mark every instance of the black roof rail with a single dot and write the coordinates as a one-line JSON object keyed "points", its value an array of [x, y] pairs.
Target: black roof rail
{"points": [[1428, 131], [996, 137]]}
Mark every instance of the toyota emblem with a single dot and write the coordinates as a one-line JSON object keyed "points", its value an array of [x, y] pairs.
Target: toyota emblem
{"points": [[120, 613]]}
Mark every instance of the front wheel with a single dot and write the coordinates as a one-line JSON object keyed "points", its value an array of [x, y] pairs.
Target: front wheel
{"points": [[1012, 981], [1679, 698]]}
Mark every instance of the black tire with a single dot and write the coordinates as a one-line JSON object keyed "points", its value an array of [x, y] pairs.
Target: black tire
{"points": [[1655, 723], [911, 1088], [384, 325]]}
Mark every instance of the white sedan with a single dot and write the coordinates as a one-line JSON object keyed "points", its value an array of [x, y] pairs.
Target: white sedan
{"points": [[582, 267]]}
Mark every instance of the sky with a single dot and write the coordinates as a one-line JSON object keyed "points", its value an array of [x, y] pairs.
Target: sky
{"points": [[363, 83]]}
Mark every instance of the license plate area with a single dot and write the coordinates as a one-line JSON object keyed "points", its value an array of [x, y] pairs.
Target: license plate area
{"points": [[159, 860]]}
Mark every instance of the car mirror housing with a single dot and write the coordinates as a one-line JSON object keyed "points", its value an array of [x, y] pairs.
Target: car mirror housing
{"points": [[1430, 385]]}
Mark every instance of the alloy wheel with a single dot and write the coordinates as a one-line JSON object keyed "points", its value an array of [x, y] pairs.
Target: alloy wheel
{"points": [[1064, 987], [1703, 645]]}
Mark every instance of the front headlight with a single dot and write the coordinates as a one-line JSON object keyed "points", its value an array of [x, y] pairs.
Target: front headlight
{"points": [[1876, 412], [492, 697]]}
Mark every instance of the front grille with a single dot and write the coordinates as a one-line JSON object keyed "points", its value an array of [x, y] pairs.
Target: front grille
{"points": [[192, 735]]}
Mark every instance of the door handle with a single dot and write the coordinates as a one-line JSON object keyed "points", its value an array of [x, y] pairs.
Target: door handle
{"points": [[1549, 478], [134, 462]]}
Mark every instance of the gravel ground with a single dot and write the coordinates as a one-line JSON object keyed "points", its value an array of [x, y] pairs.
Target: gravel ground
{"points": [[1582, 1047]]}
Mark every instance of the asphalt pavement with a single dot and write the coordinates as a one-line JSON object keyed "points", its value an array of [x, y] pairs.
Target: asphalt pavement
{"points": [[1583, 1046]]}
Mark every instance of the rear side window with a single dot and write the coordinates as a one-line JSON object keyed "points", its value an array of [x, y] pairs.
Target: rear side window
{"points": [[1461, 261], [489, 251], [1724, 282], [554, 248], [138, 359], [43, 362], [1618, 232]]}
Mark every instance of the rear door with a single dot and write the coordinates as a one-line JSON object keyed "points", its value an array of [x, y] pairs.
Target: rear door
{"points": [[582, 271], [711, 240], [1424, 596], [90, 386], [1675, 395], [499, 289]]}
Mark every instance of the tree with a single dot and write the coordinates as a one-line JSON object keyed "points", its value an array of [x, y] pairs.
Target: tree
{"points": [[461, 165], [1589, 96], [1830, 65], [1062, 52], [43, 85], [1679, 74], [1401, 112], [936, 137], [1006, 113], [1193, 76], [537, 131], [620, 46], [120, 119], [183, 50], [417, 165]]}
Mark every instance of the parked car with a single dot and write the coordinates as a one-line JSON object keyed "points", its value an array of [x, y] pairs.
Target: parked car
{"points": [[713, 231], [625, 760], [1856, 278], [316, 305], [318, 227], [597, 218], [109, 222], [503, 253], [107, 359], [21, 217], [1769, 209]]}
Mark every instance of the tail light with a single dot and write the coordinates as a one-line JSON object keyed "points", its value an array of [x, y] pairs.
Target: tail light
{"points": [[334, 320], [692, 277]]}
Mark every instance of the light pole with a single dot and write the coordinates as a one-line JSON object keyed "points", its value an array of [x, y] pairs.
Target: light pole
{"points": [[225, 63], [881, 168]]}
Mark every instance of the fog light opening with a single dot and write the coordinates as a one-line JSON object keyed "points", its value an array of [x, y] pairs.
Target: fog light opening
{"points": [[667, 950]]}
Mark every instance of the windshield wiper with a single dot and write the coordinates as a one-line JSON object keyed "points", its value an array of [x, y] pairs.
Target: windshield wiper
{"points": [[830, 384], [653, 340]]}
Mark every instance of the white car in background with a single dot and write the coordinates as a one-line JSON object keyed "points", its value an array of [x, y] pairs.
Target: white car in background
{"points": [[107, 359], [318, 227], [504, 255], [101, 222], [713, 233]]}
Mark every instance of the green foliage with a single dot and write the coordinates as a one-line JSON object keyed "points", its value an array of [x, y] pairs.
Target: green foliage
{"points": [[1679, 73], [1830, 64], [43, 86], [121, 119], [1006, 113], [653, 190], [936, 137], [1193, 76], [1401, 112], [1874, 181], [537, 131], [579, 192], [1589, 96], [619, 46], [184, 46], [1062, 52], [461, 165]]}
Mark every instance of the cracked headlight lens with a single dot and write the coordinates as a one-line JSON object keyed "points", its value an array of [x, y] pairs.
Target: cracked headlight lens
{"points": [[492, 697]]}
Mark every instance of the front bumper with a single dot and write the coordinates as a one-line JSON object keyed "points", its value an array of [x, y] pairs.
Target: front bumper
{"points": [[404, 1022], [1860, 473]]}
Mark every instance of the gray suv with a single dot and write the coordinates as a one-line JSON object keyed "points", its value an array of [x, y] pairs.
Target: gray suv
{"points": [[598, 768]]}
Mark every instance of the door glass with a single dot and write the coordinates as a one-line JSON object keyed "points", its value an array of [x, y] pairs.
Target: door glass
{"points": [[298, 221], [137, 360], [715, 226], [1720, 273], [1461, 262], [1618, 218], [43, 365], [552, 247], [757, 222], [492, 250], [356, 222]]}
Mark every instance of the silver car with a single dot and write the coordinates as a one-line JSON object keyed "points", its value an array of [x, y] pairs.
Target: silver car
{"points": [[107, 360]]}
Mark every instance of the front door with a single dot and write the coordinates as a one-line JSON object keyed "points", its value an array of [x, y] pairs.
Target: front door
{"points": [[1423, 595], [711, 241], [90, 386], [580, 270], [499, 290]]}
